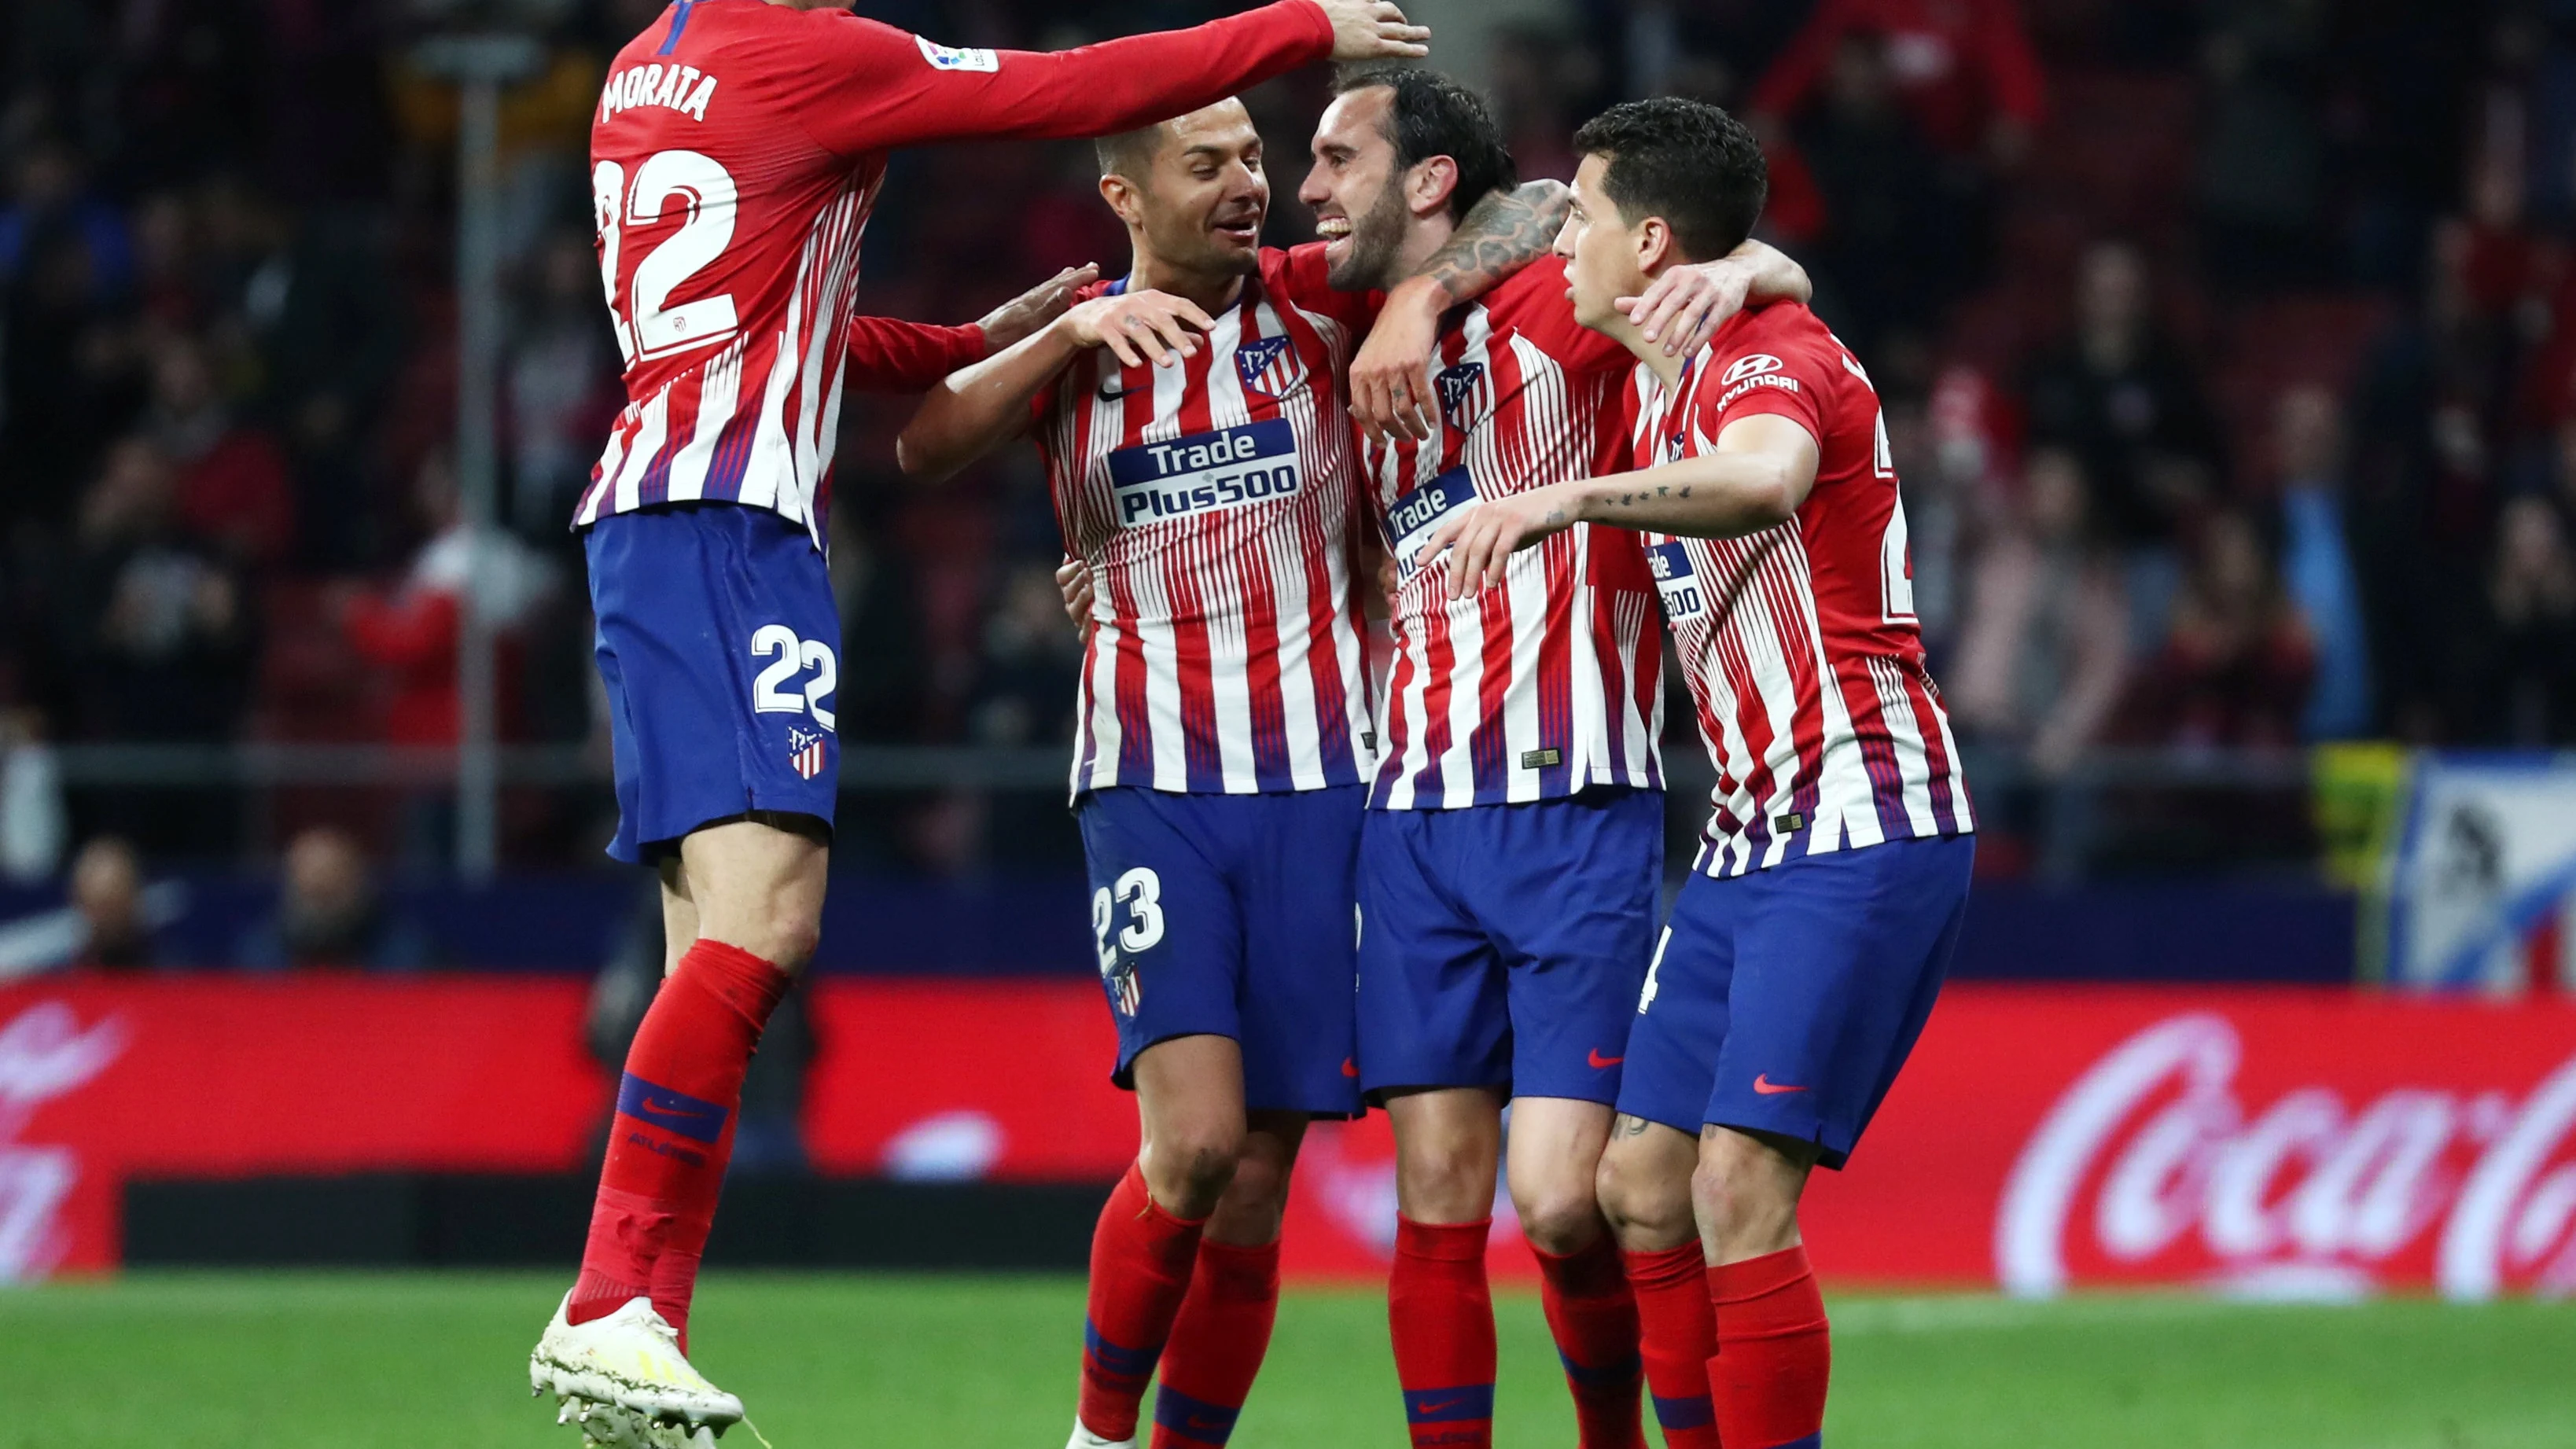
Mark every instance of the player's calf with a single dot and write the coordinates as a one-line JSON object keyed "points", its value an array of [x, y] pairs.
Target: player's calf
{"points": [[1554, 1163], [1644, 1188], [1774, 1348], [1189, 1093], [1223, 1330]]}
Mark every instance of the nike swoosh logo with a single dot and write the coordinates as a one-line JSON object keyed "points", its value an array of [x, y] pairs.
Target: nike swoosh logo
{"points": [[1196, 1422], [651, 1108], [1436, 1408], [1108, 394], [1764, 1085], [1601, 1063]]}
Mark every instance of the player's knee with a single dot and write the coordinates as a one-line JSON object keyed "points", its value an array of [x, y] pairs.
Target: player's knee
{"points": [[791, 934], [1559, 1217], [1639, 1200], [1735, 1198], [1196, 1165], [1446, 1181]]}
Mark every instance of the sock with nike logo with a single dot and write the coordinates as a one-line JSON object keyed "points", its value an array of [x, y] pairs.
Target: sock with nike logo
{"points": [[1594, 1318], [1677, 1335], [1440, 1309], [1141, 1262], [1216, 1345], [673, 1132], [1774, 1352]]}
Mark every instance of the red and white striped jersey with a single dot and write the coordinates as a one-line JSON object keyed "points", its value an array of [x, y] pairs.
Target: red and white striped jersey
{"points": [[1553, 681], [735, 155], [1213, 501], [1800, 642]]}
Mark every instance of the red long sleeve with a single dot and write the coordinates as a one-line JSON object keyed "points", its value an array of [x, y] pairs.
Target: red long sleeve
{"points": [[888, 354], [868, 87]]}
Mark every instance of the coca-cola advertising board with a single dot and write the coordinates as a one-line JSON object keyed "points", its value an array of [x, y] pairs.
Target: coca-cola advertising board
{"points": [[2268, 1141]]}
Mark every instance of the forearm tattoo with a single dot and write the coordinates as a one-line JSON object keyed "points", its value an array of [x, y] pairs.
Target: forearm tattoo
{"points": [[1500, 235]]}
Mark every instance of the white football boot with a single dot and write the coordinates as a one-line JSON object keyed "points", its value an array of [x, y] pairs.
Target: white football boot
{"points": [[624, 1381], [1084, 1439]]}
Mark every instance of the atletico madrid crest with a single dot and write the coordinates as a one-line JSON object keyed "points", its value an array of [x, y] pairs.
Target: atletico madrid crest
{"points": [[805, 751], [1126, 993], [1269, 366], [1458, 386]]}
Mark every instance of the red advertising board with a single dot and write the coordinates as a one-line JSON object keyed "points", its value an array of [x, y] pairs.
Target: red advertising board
{"points": [[2275, 1140]]}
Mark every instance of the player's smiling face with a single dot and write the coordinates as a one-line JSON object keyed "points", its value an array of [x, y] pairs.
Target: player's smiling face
{"points": [[1603, 254], [1207, 196], [1359, 207]]}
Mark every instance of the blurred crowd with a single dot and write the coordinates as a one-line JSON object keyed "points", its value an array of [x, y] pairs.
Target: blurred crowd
{"points": [[2228, 349]]}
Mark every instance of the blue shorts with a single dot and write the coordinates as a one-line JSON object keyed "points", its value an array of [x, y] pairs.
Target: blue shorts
{"points": [[1503, 945], [1231, 915], [1785, 1000], [720, 646]]}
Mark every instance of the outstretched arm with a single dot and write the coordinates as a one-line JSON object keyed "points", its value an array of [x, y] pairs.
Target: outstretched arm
{"points": [[1501, 234], [880, 88], [888, 354], [971, 412], [1761, 471]]}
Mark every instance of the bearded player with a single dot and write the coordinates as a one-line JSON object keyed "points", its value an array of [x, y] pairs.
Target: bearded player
{"points": [[1192, 420], [1512, 855], [1804, 955], [737, 150]]}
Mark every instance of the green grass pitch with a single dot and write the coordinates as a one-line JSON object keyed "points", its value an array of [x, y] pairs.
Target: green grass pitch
{"points": [[356, 1362]]}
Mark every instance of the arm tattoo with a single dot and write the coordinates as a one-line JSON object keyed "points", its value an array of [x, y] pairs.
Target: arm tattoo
{"points": [[1501, 235]]}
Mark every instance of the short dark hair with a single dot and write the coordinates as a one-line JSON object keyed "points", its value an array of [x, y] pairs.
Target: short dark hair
{"points": [[1434, 115], [1688, 162], [1129, 153]]}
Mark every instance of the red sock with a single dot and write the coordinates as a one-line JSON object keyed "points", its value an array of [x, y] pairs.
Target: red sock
{"points": [[1216, 1345], [1677, 1335], [1774, 1353], [1594, 1318], [1441, 1311], [1140, 1269], [673, 1132]]}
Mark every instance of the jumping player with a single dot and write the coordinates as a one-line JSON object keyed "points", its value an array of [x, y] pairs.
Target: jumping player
{"points": [[1192, 423], [1513, 851], [736, 152], [1804, 954]]}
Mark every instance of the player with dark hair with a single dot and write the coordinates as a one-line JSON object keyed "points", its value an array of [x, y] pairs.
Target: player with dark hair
{"points": [[737, 150], [1513, 851], [1191, 418], [1805, 953]]}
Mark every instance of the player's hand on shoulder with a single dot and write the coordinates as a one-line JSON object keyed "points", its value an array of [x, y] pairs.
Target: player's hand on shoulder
{"points": [[1017, 319], [1073, 576], [1391, 376], [1140, 327], [1374, 30], [1687, 304], [1480, 541]]}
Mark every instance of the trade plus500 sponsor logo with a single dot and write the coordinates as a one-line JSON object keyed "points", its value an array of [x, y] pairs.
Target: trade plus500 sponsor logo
{"points": [[1205, 472], [2155, 1164]]}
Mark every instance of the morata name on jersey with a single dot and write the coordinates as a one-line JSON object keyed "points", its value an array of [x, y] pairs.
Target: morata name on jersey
{"points": [[676, 87]]}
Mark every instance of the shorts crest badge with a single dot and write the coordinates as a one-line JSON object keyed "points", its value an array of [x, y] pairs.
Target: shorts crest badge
{"points": [[805, 751]]}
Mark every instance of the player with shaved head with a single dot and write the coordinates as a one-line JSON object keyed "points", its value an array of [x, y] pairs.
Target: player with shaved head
{"points": [[1193, 422]]}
